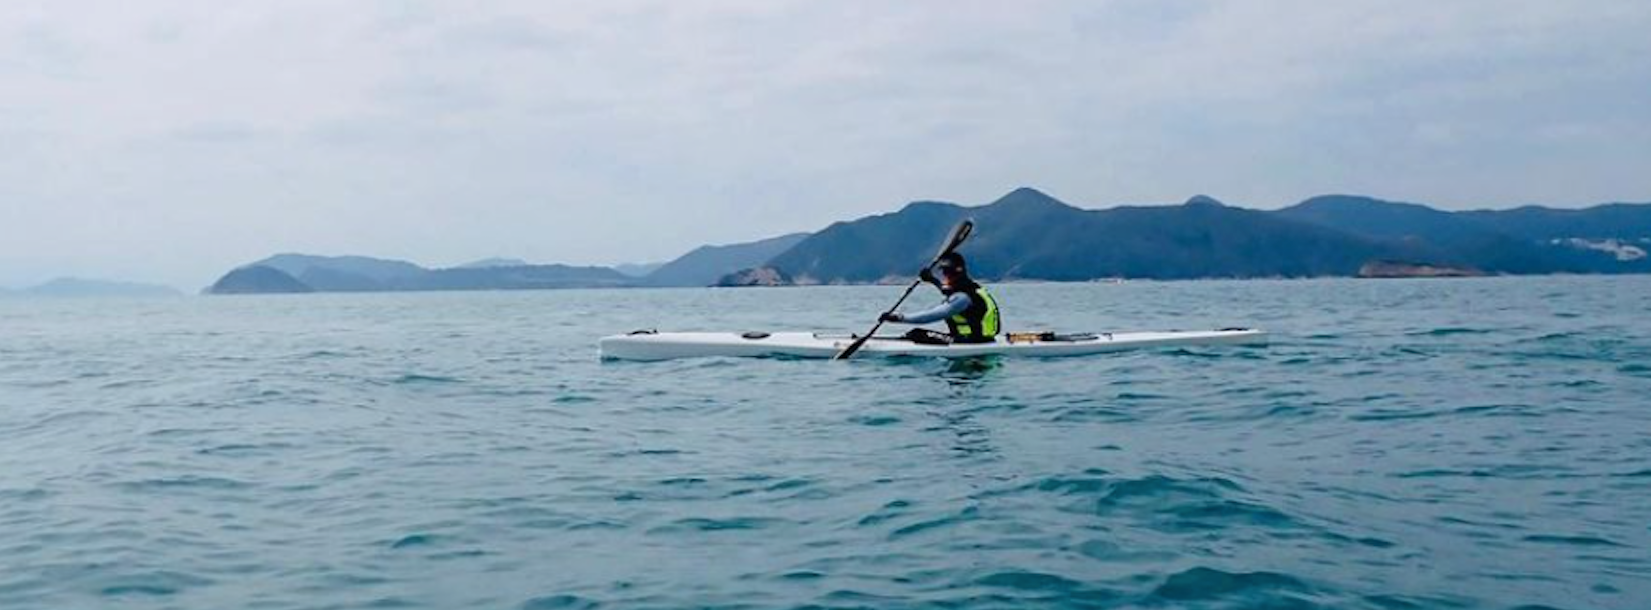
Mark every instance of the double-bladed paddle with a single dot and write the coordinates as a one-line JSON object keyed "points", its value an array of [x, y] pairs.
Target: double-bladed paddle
{"points": [[960, 233]]}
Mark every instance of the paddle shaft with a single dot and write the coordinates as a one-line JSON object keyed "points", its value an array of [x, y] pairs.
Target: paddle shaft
{"points": [[855, 346], [959, 233]]}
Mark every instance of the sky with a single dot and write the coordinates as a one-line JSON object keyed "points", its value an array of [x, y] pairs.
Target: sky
{"points": [[168, 141]]}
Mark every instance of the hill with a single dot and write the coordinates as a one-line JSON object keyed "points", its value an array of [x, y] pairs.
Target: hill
{"points": [[1030, 235], [705, 264], [80, 287], [288, 273], [1620, 221], [1521, 241], [343, 273], [257, 279], [526, 277]]}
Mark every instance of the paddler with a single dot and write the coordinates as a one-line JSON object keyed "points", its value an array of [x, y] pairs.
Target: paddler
{"points": [[970, 312]]}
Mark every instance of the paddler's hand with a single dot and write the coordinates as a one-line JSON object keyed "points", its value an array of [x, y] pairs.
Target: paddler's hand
{"points": [[927, 275], [889, 316]]}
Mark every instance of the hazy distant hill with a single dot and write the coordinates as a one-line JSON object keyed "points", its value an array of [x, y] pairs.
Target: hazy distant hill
{"points": [[527, 277], [706, 264], [287, 273], [377, 269], [342, 273], [80, 287], [257, 279]]}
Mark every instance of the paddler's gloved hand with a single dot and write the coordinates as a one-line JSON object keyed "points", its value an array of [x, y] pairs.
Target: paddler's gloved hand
{"points": [[927, 275], [889, 316]]}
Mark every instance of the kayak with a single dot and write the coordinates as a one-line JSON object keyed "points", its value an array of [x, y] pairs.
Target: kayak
{"points": [[652, 345]]}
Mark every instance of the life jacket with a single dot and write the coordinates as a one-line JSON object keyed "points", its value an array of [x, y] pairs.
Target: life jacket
{"points": [[980, 322]]}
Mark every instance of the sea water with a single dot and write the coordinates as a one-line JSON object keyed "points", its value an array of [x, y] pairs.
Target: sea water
{"points": [[1479, 443]]}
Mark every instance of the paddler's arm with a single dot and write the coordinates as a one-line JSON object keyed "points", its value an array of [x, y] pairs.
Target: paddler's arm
{"points": [[952, 306]]}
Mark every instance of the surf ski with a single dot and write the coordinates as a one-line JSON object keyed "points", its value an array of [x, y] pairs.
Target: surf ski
{"points": [[653, 345]]}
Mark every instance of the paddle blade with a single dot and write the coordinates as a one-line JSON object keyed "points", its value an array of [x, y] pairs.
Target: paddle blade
{"points": [[854, 347], [959, 233]]}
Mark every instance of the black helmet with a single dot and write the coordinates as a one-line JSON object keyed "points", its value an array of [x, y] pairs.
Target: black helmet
{"points": [[952, 263]]}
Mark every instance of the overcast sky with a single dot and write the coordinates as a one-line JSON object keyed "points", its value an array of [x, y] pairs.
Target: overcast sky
{"points": [[169, 141]]}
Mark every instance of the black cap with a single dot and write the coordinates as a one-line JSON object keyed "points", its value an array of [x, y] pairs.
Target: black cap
{"points": [[952, 262]]}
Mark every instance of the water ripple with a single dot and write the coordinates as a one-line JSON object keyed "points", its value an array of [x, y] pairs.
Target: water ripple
{"points": [[1453, 444]]}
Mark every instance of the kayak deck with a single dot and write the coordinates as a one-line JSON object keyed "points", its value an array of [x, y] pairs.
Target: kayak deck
{"points": [[649, 345]]}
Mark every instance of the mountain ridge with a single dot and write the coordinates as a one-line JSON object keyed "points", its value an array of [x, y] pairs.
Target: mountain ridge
{"points": [[78, 287], [1028, 234]]}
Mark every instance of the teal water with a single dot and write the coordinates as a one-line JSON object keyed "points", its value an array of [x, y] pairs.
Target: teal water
{"points": [[1401, 444]]}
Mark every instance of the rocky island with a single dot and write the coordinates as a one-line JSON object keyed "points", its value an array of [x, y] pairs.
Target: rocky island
{"points": [[1395, 269]]}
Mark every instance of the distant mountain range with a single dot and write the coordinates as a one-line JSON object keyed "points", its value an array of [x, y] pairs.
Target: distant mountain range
{"points": [[296, 273], [1032, 236], [637, 269], [1029, 235], [79, 287]]}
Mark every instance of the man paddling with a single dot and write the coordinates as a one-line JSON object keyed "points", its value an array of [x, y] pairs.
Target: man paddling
{"points": [[970, 312]]}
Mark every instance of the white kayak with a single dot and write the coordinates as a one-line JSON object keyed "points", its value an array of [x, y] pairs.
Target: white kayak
{"points": [[650, 345]]}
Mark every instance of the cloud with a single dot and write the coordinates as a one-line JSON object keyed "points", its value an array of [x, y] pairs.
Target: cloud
{"points": [[205, 135]]}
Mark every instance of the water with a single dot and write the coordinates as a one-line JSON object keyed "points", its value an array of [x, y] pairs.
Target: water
{"points": [[1401, 444]]}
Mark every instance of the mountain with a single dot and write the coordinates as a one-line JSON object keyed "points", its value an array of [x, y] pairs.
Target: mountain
{"points": [[1423, 233], [1378, 219], [1029, 235], [1524, 240], [377, 269], [79, 287], [705, 265], [489, 263], [1621, 221], [343, 273], [257, 279]]}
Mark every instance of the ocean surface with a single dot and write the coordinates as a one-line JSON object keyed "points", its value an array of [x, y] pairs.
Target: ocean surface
{"points": [[1480, 443]]}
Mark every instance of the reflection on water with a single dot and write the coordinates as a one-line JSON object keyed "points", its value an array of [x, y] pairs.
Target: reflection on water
{"points": [[966, 371]]}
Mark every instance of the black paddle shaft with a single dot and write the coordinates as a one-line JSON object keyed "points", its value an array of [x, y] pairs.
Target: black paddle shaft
{"points": [[960, 233]]}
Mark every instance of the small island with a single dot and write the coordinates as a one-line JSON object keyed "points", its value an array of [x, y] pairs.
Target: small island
{"points": [[1398, 269]]}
